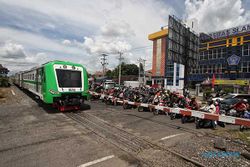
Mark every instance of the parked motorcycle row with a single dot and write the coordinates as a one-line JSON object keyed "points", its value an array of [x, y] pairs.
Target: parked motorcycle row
{"points": [[162, 97]]}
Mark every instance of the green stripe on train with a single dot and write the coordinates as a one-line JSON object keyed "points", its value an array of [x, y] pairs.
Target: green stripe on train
{"points": [[32, 82]]}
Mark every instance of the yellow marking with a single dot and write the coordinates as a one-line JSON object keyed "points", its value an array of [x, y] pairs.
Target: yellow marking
{"points": [[158, 34]]}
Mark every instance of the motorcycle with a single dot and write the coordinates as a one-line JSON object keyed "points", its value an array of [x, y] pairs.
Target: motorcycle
{"points": [[204, 123], [185, 118], [157, 111], [182, 103], [131, 97], [145, 99], [247, 116]]}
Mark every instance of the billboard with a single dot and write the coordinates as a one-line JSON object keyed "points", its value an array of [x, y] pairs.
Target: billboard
{"points": [[230, 32], [183, 44]]}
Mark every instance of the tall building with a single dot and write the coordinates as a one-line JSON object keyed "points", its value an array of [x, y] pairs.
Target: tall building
{"points": [[175, 52], [167, 74], [225, 54]]}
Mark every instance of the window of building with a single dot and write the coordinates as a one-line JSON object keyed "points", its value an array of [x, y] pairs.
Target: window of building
{"points": [[248, 67], [205, 69], [219, 53], [214, 54], [244, 66], [238, 39], [220, 68], [224, 53], [209, 69], [170, 81], [201, 55], [216, 68], [177, 82], [210, 54], [245, 50], [223, 68], [205, 55]]}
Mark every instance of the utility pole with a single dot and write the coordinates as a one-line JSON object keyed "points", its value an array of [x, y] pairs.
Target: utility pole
{"points": [[144, 71], [104, 63], [120, 67]]}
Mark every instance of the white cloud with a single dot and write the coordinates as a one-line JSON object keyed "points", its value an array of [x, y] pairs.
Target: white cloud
{"points": [[216, 15], [117, 28], [66, 42], [12, 51], [116, 25], [15, 58]]}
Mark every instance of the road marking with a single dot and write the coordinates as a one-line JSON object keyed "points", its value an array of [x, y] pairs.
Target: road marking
{"points": [[13, 92], [171, 136], [96, 161]]}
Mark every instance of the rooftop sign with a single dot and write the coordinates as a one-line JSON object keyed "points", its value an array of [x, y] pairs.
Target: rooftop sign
{"points": [[230, 32]]}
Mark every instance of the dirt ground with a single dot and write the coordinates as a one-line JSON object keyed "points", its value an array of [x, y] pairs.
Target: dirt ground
{"points": [[4, 93]]}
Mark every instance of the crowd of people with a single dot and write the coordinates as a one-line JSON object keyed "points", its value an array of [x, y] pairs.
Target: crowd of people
{"points": [[163, 97]]}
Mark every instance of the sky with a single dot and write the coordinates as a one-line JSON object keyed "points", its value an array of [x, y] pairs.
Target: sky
{"points": [[38, 31]]}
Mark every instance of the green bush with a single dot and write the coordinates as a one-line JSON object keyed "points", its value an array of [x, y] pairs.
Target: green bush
{"points": [[4, 82], [229, 90], [207, 94]]}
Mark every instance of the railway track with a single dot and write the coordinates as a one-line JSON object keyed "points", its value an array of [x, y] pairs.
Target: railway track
{"points": [[189, 130], [126, 141]]}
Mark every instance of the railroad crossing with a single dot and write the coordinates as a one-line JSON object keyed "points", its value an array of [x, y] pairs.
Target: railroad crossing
{"points": [[106, 135]]}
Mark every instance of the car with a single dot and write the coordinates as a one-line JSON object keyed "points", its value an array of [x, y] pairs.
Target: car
{"points": [[232, 96]]}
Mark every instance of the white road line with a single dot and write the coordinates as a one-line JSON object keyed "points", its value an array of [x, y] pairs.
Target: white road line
{"points": [[171, 136], [96, 161], [13, 92]]}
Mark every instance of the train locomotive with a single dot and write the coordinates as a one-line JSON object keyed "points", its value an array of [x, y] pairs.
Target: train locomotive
{"points": [[62, 84]]}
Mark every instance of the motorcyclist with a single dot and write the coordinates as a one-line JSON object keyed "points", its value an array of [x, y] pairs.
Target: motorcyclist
{"points": [[241, 106], [194, 104], [217, 107], [212, 110]]}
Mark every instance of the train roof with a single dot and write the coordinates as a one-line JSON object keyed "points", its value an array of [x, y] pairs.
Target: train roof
{"points": [[51, 63], [61, 62]]}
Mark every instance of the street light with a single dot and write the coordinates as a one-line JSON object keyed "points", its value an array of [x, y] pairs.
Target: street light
{"points": [[120, 68]]}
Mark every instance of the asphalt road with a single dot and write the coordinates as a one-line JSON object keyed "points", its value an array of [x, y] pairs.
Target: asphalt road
{"points": [[33, 134]]}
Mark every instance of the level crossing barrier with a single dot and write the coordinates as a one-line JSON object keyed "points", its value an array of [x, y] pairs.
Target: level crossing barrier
{"points": [[183, 111]]}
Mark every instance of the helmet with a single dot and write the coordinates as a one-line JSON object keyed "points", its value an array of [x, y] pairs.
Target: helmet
{"points": [[181, 96], [245, 100]]}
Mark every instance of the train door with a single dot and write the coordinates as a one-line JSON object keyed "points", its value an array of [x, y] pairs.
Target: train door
{"points": [[21, 82], [39, 80], [37, 77], [43, 80]]}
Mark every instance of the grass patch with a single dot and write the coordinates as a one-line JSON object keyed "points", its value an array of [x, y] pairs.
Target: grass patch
{"points": [[235, 134]]}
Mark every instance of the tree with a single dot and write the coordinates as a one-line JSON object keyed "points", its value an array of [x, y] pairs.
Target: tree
{"points": [[109, 74]]}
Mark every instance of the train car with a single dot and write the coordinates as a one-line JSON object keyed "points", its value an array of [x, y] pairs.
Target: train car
{"points": [[62, 84]]}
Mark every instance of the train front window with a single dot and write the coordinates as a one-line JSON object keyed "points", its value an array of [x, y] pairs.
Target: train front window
{"points": [[68, 78]]}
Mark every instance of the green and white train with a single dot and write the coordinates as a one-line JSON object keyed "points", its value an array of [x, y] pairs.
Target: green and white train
{"points": [[62, 84]]}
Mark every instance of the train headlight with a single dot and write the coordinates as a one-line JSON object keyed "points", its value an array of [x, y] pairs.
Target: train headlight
{"points": [[54, 92]]}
